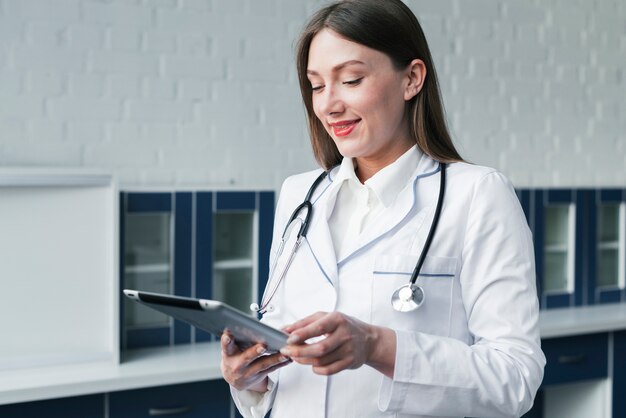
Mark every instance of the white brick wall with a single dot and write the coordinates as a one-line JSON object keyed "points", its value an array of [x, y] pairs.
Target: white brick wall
{"points": [[204, 93]]}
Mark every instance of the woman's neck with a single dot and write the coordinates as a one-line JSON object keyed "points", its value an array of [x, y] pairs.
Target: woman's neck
{"points": [[365, 168]]}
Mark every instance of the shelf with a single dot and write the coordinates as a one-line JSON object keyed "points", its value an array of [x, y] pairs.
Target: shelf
{"points": [[148, 268], [556, 248], [611, 245], [240, 263], [611, 287]]}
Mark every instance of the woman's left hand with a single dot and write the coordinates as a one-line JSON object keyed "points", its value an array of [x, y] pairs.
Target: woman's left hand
{"points": [[348, 344]]}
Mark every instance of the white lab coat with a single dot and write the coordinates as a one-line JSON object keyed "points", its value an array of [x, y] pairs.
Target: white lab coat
{"points": [[473, 347]]}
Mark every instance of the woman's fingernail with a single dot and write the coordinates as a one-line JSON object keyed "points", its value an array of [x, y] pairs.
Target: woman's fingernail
{"points": [[285, 351], [283, 359], [226, 339], [261, 350], [293, 339]]}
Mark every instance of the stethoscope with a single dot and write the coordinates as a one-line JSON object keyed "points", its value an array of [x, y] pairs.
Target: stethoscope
{"points": [[405, 299]]}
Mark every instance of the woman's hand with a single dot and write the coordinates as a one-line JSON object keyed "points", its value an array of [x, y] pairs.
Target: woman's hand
{"points": [[248, 369], [348, 344]]}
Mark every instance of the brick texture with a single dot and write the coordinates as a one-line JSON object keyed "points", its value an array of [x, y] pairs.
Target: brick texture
{"points": [[204, 92]]}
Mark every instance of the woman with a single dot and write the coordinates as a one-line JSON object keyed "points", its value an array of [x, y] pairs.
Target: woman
{"points": [[377, 126]]}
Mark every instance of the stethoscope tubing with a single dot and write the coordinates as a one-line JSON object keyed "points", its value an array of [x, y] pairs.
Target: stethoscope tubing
{"points": [[306, 204], [433, 228]]}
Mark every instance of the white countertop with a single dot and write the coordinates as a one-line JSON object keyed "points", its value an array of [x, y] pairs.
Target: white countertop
{"points": [[582, 320], [138, 369], [191, 363]]}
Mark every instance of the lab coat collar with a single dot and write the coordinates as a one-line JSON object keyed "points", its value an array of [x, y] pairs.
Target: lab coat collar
{"points": [[399, 210], [388, 182], [319, 239]]}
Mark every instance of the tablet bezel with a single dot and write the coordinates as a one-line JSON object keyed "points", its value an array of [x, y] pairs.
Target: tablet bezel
{"points": [[214, 317]]}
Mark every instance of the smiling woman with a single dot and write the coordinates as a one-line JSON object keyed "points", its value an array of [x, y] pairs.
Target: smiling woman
{"points": [[360, 102], [391, 30], [390, 170]]}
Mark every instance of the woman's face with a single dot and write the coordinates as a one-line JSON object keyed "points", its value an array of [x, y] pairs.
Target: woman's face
{"points": [[360, 98]]}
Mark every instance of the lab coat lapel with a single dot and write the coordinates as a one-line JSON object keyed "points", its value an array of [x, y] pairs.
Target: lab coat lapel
{"points": [[399, 211], [319, 240]]}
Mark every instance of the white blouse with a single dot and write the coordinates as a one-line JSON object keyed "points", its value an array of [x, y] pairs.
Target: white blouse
{"points": [[358, 205]]}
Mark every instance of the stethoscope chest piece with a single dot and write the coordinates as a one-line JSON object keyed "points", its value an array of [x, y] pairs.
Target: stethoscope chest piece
{"points": [[407, 298]]}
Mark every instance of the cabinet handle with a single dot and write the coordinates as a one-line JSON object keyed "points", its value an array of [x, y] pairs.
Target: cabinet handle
{"points": [[572, 359], [155, 412]]}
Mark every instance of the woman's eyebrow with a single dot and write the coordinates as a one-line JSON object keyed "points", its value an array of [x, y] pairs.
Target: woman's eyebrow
{"points": [[338, 66]]}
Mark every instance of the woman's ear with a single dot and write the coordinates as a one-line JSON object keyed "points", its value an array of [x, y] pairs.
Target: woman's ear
{"points": [[416, 74]]}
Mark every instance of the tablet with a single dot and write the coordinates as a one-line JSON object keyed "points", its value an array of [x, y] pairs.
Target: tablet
{"points": [[214, 317]]}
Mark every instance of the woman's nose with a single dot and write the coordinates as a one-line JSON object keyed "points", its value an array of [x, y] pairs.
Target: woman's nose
{"points": [[330, 102]]}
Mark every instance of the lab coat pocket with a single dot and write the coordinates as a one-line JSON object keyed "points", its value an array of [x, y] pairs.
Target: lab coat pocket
{"points": [[437, 279]]}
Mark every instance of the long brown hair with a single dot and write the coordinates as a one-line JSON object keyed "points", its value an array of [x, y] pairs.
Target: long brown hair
{"points": [[390, 27]]}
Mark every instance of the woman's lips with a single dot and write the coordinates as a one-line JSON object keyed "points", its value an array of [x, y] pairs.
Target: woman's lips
{"points": [[344, 128]]}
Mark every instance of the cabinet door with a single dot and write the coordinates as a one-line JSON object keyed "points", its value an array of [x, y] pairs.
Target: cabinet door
{"points": [[190, 400], [233, 239], [577, 358], [235, 273], [558, 227], [210, 245], [607, 242], [91, 406], [146, 263]]}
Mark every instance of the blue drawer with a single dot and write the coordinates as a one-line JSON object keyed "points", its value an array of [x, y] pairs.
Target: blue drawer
{"points": [[572, 359], [190, 400], [91, 406]]}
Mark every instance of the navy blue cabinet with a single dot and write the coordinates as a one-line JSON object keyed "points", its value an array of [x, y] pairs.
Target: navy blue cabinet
{"points": [[212, 245], [579, 238], [606, 256], [619, 374], [189, 400], [209, 398], [582, 358], [90, 406], [577, 358], [155, 242], [558, 217]]}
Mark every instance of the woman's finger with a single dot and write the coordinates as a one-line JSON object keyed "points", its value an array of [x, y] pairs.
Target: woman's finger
{"points": [[304, 321], [323, 325], [330, 363], [328, 357], [332, 368], [314, 350], [229, 347], [252, 353], [265, 363]]}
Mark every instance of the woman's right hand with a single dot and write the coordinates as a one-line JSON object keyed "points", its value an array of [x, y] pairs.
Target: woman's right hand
{"points": [[248, 369]]}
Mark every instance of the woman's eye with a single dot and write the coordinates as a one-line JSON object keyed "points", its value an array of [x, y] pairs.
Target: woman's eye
{"points": [[353, 82], [316, 88]]}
